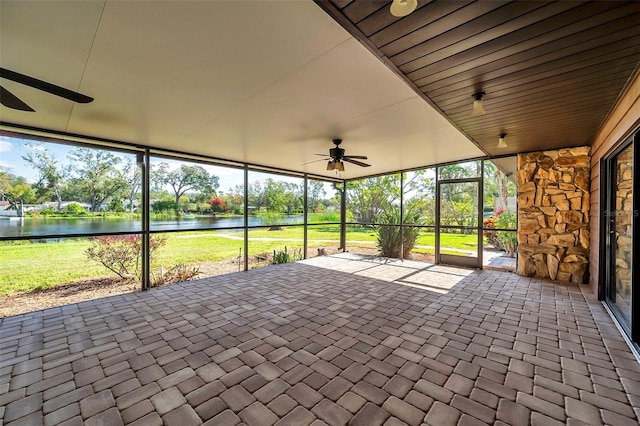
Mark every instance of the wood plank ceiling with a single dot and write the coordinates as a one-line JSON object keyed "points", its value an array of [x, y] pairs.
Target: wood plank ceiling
{"points": [[551, 71]]}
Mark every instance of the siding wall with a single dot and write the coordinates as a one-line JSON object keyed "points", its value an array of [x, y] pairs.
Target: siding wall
{"points": [[622, 121]]}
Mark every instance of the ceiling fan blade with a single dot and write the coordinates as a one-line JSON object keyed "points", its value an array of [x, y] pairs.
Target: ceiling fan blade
{"points": [[359, 157], [44, 86], [315, 161], [356, 162], [10, 100]]}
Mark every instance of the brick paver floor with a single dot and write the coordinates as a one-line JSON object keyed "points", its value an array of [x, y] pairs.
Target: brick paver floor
{"points": [[331, 340]]}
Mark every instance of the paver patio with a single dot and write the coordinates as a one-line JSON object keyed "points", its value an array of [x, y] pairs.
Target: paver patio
{"points": [[330, 340]]}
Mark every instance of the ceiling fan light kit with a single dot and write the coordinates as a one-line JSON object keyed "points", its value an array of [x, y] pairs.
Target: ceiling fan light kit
{"points": [[478, 105], [501, 141], [337, 158], [335, 165], [400, 8]]}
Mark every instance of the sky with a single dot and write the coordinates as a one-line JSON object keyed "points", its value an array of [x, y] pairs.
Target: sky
{"points": [[13, 149]]}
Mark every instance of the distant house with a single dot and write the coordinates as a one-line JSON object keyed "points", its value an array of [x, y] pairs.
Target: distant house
{"points": [[54, 205], [511, 204], [7, 209]]}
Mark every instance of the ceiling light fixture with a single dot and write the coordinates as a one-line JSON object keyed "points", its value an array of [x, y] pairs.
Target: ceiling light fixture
{"points": [[501, 142], [340, 166], [331, 165], [478, 106], [402, 8]]}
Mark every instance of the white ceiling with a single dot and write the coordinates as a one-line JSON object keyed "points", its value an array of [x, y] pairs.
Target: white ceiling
{"points": [[263, 82]]}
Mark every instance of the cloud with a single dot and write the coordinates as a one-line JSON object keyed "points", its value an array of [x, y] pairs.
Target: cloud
{"points": [[5, 166], [5, 145]]}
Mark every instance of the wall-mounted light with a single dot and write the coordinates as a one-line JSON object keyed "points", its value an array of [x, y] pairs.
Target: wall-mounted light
{"points": [[501, 142], [478, 106], [402, 8]]}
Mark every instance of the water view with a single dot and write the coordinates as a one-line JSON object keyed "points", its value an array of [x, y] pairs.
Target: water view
{"points": [[30, 227]]}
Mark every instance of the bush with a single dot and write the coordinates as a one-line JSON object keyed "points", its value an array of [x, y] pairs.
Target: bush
{"points": [[217, 205], [391, 238], [164, 205], [75, 209], [507, 240], [116, 206], [330, 216], [491, 236], [121, 253], [176, 274], [270, 218], [283, 256]]}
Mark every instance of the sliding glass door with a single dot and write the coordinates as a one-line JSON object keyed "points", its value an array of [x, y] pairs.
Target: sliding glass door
{"points": [[621, 222]]}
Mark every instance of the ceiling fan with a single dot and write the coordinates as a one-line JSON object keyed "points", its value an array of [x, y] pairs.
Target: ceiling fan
{"points": [[10, 100], [336, 158]]}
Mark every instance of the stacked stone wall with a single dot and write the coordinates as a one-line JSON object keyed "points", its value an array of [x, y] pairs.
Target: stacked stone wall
{"points": [[553, 214]]}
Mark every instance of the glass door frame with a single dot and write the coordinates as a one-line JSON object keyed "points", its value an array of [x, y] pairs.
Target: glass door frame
{"points": [[607, 262], [450, 259]]}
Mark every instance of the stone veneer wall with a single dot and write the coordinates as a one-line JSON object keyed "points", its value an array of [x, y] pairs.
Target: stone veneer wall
{"points": [[553, 214]]}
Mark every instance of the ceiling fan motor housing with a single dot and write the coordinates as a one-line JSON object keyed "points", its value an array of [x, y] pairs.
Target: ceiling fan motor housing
{"points": [[336, 152]]}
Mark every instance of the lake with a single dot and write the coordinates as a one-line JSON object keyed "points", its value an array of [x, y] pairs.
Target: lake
{"points": [[29, 227]]}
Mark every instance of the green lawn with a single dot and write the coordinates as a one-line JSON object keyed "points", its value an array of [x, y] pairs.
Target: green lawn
{"points": [[26, 267]]}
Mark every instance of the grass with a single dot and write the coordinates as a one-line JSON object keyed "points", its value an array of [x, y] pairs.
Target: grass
{"points": [[28, 267], [34, 266]]}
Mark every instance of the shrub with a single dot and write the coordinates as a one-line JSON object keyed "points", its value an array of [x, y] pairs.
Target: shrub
{"points": [[75, 209], [391, 238], [507, 240], [176, 274], [329, 216], [217, 205], [283, 256], [270, 218], [121, 253], [116, 206], [491, 236], [164, 205]]}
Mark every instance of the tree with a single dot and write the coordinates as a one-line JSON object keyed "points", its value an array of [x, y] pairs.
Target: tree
{"points": [[459, 200], [50, 173], [498, 187], [315, 192], [368, 198], [133, 179], [276, 196], [234, 199], [15, 189], [163, 206], [217, 205], [184, 179], [460, 170], [420, 195], [97, 177]]}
